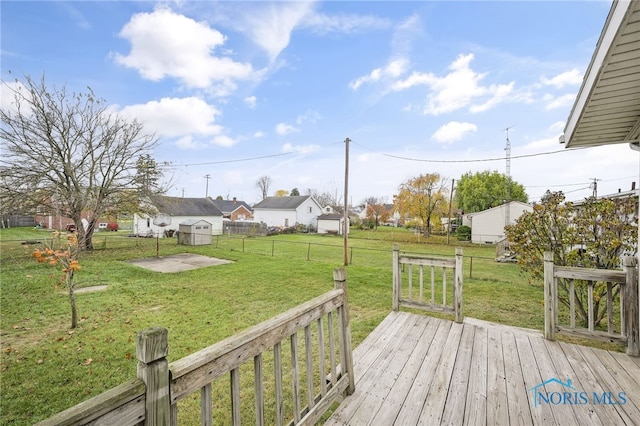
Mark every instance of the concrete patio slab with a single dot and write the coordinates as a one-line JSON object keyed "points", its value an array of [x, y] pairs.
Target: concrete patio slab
{"points": [[177, 262]]}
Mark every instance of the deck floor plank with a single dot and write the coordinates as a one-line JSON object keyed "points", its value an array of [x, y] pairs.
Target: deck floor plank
{"points": [[414, 369]]}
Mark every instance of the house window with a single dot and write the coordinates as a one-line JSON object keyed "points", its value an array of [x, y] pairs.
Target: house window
{"points": [[148, 222], [310, 209], [286, 223]]}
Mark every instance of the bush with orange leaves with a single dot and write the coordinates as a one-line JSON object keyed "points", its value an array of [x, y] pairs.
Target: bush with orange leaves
{"points": [[68, 259]]}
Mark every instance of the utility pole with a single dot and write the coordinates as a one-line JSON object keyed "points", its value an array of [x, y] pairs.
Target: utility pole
{"points": [[345, 225], [507, 190], [206, 193], [594, 186], [449, 214]]}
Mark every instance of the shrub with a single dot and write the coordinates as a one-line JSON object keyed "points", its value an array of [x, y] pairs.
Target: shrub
{"points": [[463, 233]]}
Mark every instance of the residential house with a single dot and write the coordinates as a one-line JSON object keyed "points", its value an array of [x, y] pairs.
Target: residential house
{"points": [[234, 209], [288, 211], [178, 210], [487, 227], [606, 110]]}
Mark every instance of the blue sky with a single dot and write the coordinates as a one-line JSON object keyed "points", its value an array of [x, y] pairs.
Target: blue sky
{"points": [[238, 90]]}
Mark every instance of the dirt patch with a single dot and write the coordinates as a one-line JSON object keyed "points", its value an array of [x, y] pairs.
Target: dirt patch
{"points": [[91, 289], [178, 262]]}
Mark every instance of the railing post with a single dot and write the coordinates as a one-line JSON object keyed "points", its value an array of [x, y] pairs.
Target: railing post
{"points": [[550, 294], [396, 277], [457, 286], [631, 303], [340, 282], [153, 369]]}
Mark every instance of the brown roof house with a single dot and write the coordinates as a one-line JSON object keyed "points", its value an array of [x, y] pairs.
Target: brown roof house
{"points": [[165, 213]]}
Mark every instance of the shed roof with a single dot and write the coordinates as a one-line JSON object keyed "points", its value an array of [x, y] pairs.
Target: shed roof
{"points": [[330, 216], [176, 206], [282, 203], [607, 107]]}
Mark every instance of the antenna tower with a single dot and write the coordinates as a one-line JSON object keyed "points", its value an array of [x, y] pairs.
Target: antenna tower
{"points": [[507, 216]]}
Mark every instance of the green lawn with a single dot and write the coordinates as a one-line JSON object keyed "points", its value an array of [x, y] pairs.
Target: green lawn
{"points": [[46, 367]]}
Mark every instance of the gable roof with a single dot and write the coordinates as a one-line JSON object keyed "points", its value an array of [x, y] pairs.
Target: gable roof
{"points": [[606, 109], [330, 216], [283, 203], [177, 206], [500, 207], [229, 206]]}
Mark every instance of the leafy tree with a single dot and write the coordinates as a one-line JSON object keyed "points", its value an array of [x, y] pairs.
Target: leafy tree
{"points": [[376, 211], [481, 191], [77, 153], [423, 198], [263, 183], [294, 192], [595, 234], [281, 193]]}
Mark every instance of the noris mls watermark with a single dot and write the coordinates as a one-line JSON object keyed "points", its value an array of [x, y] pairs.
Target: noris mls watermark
{"points": [[564, 393]]}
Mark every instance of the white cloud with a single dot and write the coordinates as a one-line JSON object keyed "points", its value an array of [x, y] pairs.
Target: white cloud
{"points": [[309, 116], [186, 142], [554, 102], [343, 23], [174, 117], [569, 78], [299, 149], [223, 140], [284, 129], [453, 131], [250, 101], [259, 134], [270, 25], [7, 95], [458, 89], [394, 69], [166, 44]]}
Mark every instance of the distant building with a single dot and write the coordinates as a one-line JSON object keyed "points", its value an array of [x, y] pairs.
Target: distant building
{"points": [[179, 210]]}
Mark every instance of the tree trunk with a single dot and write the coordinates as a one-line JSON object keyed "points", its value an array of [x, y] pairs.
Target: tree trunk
{"points": [[72, 299]]}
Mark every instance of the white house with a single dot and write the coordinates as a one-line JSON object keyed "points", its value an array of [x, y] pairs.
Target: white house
{"points": [[288, 211], [487, 227], [331, 223], [178, 210]]}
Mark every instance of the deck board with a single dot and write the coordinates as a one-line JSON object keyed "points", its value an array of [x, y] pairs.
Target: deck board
{"points": [[414, 369]]}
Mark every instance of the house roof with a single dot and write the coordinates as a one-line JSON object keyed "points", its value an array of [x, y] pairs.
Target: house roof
{"points": [[606, 109], [501, 206], [283, 203], [176, 206], [229, 206], [330, 216]]}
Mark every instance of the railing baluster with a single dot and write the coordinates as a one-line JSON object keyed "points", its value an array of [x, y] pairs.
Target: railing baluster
{"points": [[609, 308], [295, 377], [433, 285], [410, 281], [590, 305], [321, 358], [235, 397], [421, 284], [572, 303], [277, 367], [206, 411], [444, 287], [309, 361], [259, 389], [332, 349]]}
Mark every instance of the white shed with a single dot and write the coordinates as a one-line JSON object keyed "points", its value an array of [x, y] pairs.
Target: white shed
{"points": [[331, 223], [194, 232], [487, 227]]}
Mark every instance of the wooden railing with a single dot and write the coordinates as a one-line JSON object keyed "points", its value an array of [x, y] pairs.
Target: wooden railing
{"points": [[412, 297], [153, 398], [624, 283]]}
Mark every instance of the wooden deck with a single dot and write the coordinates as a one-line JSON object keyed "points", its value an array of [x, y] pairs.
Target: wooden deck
{"points": [[414, 369]]}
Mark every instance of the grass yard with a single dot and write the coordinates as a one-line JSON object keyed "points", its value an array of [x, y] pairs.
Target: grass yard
{"points": [[46, 367]]}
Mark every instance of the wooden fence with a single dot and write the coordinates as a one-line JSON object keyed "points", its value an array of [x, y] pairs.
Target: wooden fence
{"points": [[152, 398], [621, 326], [416, 298]]}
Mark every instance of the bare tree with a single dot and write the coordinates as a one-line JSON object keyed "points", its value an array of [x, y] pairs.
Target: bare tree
{"points": [[263, 183], [68, 151]]}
